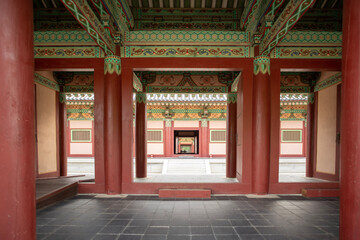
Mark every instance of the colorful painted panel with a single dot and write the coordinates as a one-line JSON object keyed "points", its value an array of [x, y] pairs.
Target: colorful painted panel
{"points": [[56, 38], [187, 111], [311, 38], [185, 51], [187, 37], [334, 79], [293, 112], [76, 111], [189, 89], [185, 19], [137, 83], [308, 52], [287, 19], [46, 82], [68, 52], [87, 18]]}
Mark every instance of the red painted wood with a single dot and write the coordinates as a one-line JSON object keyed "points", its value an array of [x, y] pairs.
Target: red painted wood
{"points": [[290, 65], [244, 175], [96, 65], [261, 134], [17, 133], [184, 193], [57, 122], [112, 133], [167, 141], [231, 121], [141, 140], [312, 192], [350, 120], [63, 138], [127, 123], [310, 138], [244, 126]]}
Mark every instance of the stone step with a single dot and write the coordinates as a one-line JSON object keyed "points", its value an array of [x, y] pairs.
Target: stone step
{"points": [[184, 193], [320, 192]]}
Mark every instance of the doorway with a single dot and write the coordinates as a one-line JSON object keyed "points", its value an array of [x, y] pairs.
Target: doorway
{"points": [[186, 142]]}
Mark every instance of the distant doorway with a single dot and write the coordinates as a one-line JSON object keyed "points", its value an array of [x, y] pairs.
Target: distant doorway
{"points": [[186, 142]]}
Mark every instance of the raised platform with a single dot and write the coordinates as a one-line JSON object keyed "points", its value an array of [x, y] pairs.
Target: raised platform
{"points": [[49, 191], [324, 192], [184, 193]]}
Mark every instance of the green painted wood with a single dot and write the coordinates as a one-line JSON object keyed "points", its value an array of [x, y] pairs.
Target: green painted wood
{"points": [[230, 4], [218, 3], [187, 4], [156, 3], [208, 3], [145, 3], [166, 3], [241, 4], [318, 3], [176, 3], [135, 3], [198, 3]]}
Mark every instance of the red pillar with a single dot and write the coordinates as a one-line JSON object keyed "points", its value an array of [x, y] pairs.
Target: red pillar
{"points": [[231, 136], [350, 134], [204, 139], [261, 126], [310, 136], [112, 125], [167, 138], [141, 141], [63, 133], [17, 131]]}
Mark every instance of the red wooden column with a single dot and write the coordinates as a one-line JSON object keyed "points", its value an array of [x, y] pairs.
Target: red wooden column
{"points": [[167, 138], [63, 132], [17, 131], [310, 135], [204, 139], [350, 116], [231, 136], [261, 126], [112, 125], [140, 136]]}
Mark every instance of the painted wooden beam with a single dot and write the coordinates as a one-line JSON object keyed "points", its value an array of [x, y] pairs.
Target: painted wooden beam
{"points": [[258, 12], [293, 11], [114, 10], [247, 10], [83, 13], [123, 4], [137, 85], [276, 4]]}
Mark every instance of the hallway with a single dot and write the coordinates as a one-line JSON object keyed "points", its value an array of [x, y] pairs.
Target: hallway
{"points": [[222, 217]]}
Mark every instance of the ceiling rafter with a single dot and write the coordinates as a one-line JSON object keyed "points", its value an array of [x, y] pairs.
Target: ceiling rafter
{"points": [[247, 10], [293, 11], [259, 10], [88, 20]]}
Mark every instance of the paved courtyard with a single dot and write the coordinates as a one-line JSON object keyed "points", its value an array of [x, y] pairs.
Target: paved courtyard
{"points": [[92, 217], [195, 170]]}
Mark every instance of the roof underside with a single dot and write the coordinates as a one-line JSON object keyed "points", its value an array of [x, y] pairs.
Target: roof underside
{"points": [[190, 14]]}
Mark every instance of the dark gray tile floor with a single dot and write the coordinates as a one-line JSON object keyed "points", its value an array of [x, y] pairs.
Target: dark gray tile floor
{"points": [[219, 218]]}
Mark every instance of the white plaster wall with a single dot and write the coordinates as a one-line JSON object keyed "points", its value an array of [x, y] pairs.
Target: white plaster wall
{"points": [[291, 148], [81, 123], [81, 148], [217, 148], [155, 148], [292, 124], [188, 124], [326, 130], [155, 124], [217, 124]]}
